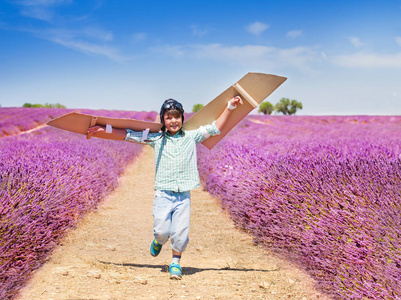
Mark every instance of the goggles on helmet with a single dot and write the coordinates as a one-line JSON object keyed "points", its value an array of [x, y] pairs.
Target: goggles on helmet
{"points": [[170, 104]]}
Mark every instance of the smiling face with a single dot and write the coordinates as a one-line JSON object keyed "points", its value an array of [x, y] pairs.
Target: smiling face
{"points": [[173, 121]]}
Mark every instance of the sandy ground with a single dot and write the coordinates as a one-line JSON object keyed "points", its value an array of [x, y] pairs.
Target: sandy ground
{"points": [[107, 256]]}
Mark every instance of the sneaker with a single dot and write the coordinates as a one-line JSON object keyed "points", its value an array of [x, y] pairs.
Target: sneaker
{"points": [[175, 271], [155, 248]]}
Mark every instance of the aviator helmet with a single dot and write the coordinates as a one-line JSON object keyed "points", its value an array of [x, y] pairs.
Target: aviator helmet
{"points": [[170, 104]]}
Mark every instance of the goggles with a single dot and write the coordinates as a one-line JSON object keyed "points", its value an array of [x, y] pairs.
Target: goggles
{"points": [[172, 104]]}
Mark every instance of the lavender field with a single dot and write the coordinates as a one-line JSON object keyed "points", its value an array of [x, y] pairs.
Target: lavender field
{"points": [[48, 179], [322, 191]]}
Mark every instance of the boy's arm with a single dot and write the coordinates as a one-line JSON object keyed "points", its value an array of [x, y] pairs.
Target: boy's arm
{"points": [[118, 134], [232, 104]]}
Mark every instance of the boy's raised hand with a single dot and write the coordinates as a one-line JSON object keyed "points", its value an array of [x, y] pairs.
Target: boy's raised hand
{"points": [[232, 104], [236, 101]]}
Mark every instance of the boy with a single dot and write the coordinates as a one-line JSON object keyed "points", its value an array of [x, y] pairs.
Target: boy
{"points": [[176, 173]]}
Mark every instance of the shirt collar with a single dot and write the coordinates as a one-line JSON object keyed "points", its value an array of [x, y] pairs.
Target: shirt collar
{"points": [[177, 135]]}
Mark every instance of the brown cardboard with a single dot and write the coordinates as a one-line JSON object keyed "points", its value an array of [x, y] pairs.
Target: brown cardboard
{"points": [[253, 89], [79, 123]]}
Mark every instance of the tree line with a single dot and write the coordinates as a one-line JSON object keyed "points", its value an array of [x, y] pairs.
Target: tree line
{"points": [[284, 106], [46, 105]]}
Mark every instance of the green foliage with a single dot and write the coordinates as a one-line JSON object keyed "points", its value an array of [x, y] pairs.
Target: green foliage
{"points": [[32, 105], [266, 108], [284, 106], [46, 105], [197, 107], [287, 106]]}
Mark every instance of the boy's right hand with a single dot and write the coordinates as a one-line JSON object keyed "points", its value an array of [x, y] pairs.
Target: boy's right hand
{"points": [[93, 130], [114, 133]]}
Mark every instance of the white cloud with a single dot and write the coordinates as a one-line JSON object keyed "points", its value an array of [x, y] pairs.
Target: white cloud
{"points": [[91, 48], [197, 31], [257, 28], [99, 34], [355, 41], [300, 57], [40, 9], [233, 53], [43, 2], [174, 51], [78, 40], [369, 60], [249, 55], [294, 33], [39, 13], [139, 37], [398, 40], [86, 39]]}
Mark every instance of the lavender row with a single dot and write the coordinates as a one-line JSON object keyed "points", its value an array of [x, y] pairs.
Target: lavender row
{"points": [[48, 180], [14, 120], [323, 191]]}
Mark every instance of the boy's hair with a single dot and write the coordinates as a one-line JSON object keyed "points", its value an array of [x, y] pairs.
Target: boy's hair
{"points": [[171, 106]]}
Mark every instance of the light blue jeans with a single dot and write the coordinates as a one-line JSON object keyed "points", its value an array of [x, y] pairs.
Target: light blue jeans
{"points": [[171, 212]]}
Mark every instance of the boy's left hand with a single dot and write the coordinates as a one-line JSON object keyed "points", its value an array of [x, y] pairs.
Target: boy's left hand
{"points": [[236, 101]]}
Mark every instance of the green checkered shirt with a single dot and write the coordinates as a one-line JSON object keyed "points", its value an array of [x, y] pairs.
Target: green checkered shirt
{"points": [[175, 156]]}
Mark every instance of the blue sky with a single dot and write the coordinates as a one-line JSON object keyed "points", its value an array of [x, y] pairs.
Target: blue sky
{"points": [[340, 57]]}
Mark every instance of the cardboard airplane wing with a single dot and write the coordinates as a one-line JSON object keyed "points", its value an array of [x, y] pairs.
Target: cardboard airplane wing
{"points": [[253, 89]]}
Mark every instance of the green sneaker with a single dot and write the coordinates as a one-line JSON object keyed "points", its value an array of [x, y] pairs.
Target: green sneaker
{"points": [[175, 271], [155, 248]]}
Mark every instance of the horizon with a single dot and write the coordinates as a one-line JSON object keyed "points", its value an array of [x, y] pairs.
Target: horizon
{"points": [[253, 113]]}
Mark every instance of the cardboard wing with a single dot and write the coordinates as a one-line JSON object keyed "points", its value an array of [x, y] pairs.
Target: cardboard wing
{"points": [[79, 123], [253, 89]]}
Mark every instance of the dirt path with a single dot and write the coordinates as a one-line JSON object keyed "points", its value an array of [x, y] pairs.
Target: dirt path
{"points": [[32, 130], [107, 256]]}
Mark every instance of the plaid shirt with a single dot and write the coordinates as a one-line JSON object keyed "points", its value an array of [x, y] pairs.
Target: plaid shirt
{"points": [[175, 157]]}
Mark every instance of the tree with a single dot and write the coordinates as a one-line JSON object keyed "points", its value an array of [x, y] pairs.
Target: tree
{"points": [[287, 106], [266, 108], [57, 105], [32, 105], [47, 105], [294, 106], [197, 107]]}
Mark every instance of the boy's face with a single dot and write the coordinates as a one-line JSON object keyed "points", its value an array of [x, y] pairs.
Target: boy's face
{"points": [[173, 122]]}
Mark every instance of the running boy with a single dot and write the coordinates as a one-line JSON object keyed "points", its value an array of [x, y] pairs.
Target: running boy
{"points": [[176, 173]]}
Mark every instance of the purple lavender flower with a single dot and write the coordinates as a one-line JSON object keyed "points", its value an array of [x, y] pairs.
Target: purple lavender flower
{"points": [[324, 191]]}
